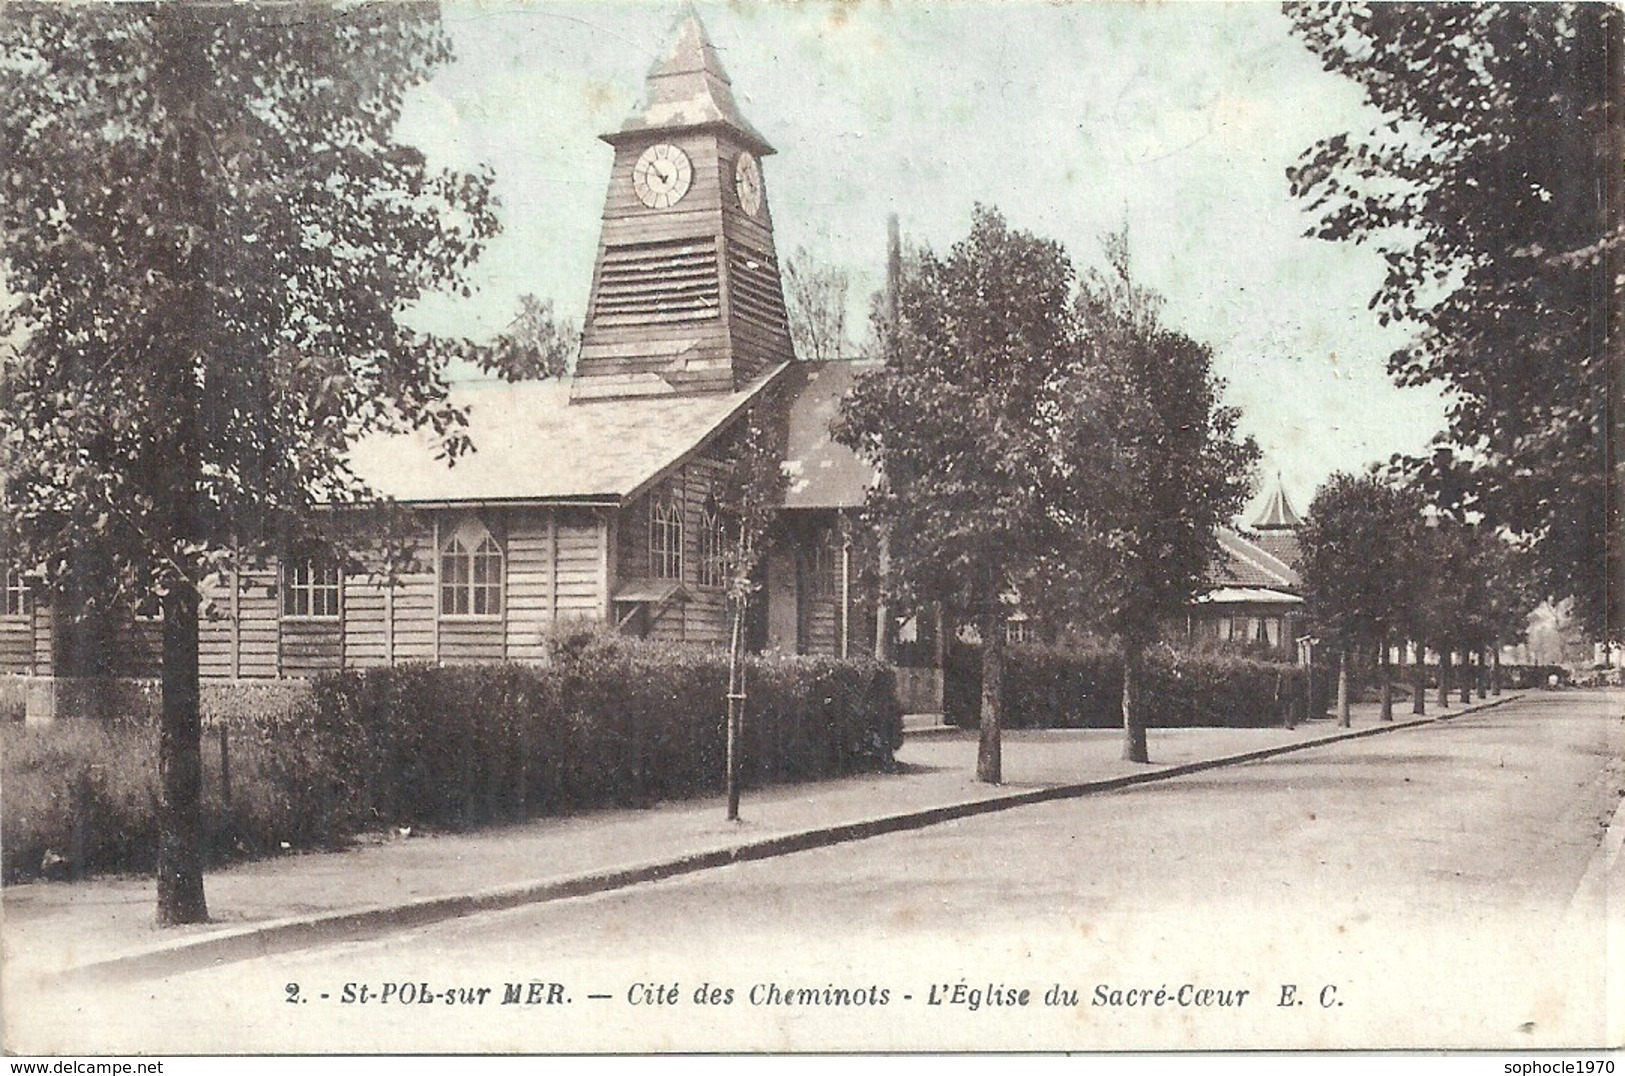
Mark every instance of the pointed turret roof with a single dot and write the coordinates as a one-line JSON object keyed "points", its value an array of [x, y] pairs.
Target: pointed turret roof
{"points": [[688, 88], [1277, 514]]}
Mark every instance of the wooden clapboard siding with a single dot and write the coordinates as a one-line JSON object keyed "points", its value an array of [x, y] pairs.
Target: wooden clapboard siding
{"points": [[259, 611], [580, 567], [217, 629], [366, 630], [823, 626], [465, 640], [529, 605], [44, 641], [311, 646], [415, 610], [17, 644], [141, 652]]}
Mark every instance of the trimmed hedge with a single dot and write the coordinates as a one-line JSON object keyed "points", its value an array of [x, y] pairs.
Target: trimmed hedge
{"points": [[608, 721], [1052, 687]]}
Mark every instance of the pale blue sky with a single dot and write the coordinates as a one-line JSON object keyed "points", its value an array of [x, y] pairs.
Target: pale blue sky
{"points": [[1178, 119]]}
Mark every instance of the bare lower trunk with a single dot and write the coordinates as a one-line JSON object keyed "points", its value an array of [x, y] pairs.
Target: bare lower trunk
{"points": [[1419, 697], [1134, 745], [1388, 683], [1343, 688], [736, 706], [1466, 676], [1483, 674], [180, 769], [1495, 670], [1444, 675], [989, 752]]}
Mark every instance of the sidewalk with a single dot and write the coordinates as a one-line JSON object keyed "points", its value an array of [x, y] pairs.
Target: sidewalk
{"points": [[105, 927]]}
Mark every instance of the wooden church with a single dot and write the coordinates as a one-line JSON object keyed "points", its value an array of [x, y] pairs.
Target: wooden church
{"points": [[591, 498]]}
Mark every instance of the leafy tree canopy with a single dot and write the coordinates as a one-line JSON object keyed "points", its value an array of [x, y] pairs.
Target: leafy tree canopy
{"points": [[954, 419], [1149, 463], [1363, 559], [212, 230], [537, 344], [1492, 186]]}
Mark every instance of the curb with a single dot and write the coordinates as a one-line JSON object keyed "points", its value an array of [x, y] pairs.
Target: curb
{"points": [[287, 935]]}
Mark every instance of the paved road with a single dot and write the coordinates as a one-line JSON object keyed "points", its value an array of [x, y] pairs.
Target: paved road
{"points": [[1428, 888]]}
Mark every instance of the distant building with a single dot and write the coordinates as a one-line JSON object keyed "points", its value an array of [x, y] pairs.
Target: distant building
{"points": [[1255, 595]]}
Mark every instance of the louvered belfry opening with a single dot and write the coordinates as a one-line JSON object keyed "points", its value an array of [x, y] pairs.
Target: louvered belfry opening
{"points": [[686, 296], [758, 294], [655, 283]]}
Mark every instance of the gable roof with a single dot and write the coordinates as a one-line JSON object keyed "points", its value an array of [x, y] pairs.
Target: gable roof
{"points": [[531, 445], [688, 88], [1282, 545], [819, 472], [1245, 563]]}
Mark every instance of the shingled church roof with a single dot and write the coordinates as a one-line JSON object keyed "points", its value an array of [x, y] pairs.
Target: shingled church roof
{"points": [[531, 446]]}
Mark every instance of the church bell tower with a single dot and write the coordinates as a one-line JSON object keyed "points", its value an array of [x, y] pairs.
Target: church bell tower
{"points": [[686, 295]]}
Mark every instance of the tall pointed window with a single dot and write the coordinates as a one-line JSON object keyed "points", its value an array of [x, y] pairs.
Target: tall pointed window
{"points": [[713, 549], [470, 573], [310, 588], [14, 596], [665, 538]]}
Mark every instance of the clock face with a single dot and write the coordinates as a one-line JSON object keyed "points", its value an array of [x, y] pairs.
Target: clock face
{"points": [[748, 182], [662, 175]]}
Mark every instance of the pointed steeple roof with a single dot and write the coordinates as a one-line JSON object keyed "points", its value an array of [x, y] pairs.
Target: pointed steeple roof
{"points": [[687, 88], [1277, 514]]}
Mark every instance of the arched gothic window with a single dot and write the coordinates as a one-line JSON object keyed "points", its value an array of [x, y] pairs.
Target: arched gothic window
{"points": [[470, 573], [713, 548], [665, 538]]}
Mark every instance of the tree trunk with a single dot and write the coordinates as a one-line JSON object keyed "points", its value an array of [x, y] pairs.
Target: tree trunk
{"points": [[736, 705], [1444, 675], [1466, 676], [883, 610], [1419, 697], [989, 753], [181, 81], [1387, 682], [1495, 670], [180, 768], [1343, 687], [1134, 745], [1483, 675]]}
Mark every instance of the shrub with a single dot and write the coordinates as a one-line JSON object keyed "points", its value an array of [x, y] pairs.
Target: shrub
{"points": [[1082, 687], [606, 721]]}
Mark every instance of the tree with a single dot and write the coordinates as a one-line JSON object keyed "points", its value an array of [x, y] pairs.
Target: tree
{"points": [[1360, 556], [1493, 189], [535, 345], [1145, 466], [817, 307], [958, 424], [747, 505], [213, 231]]}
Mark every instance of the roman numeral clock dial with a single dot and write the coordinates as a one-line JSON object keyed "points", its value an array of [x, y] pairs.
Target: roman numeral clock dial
{"points": [[662, 176]]}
